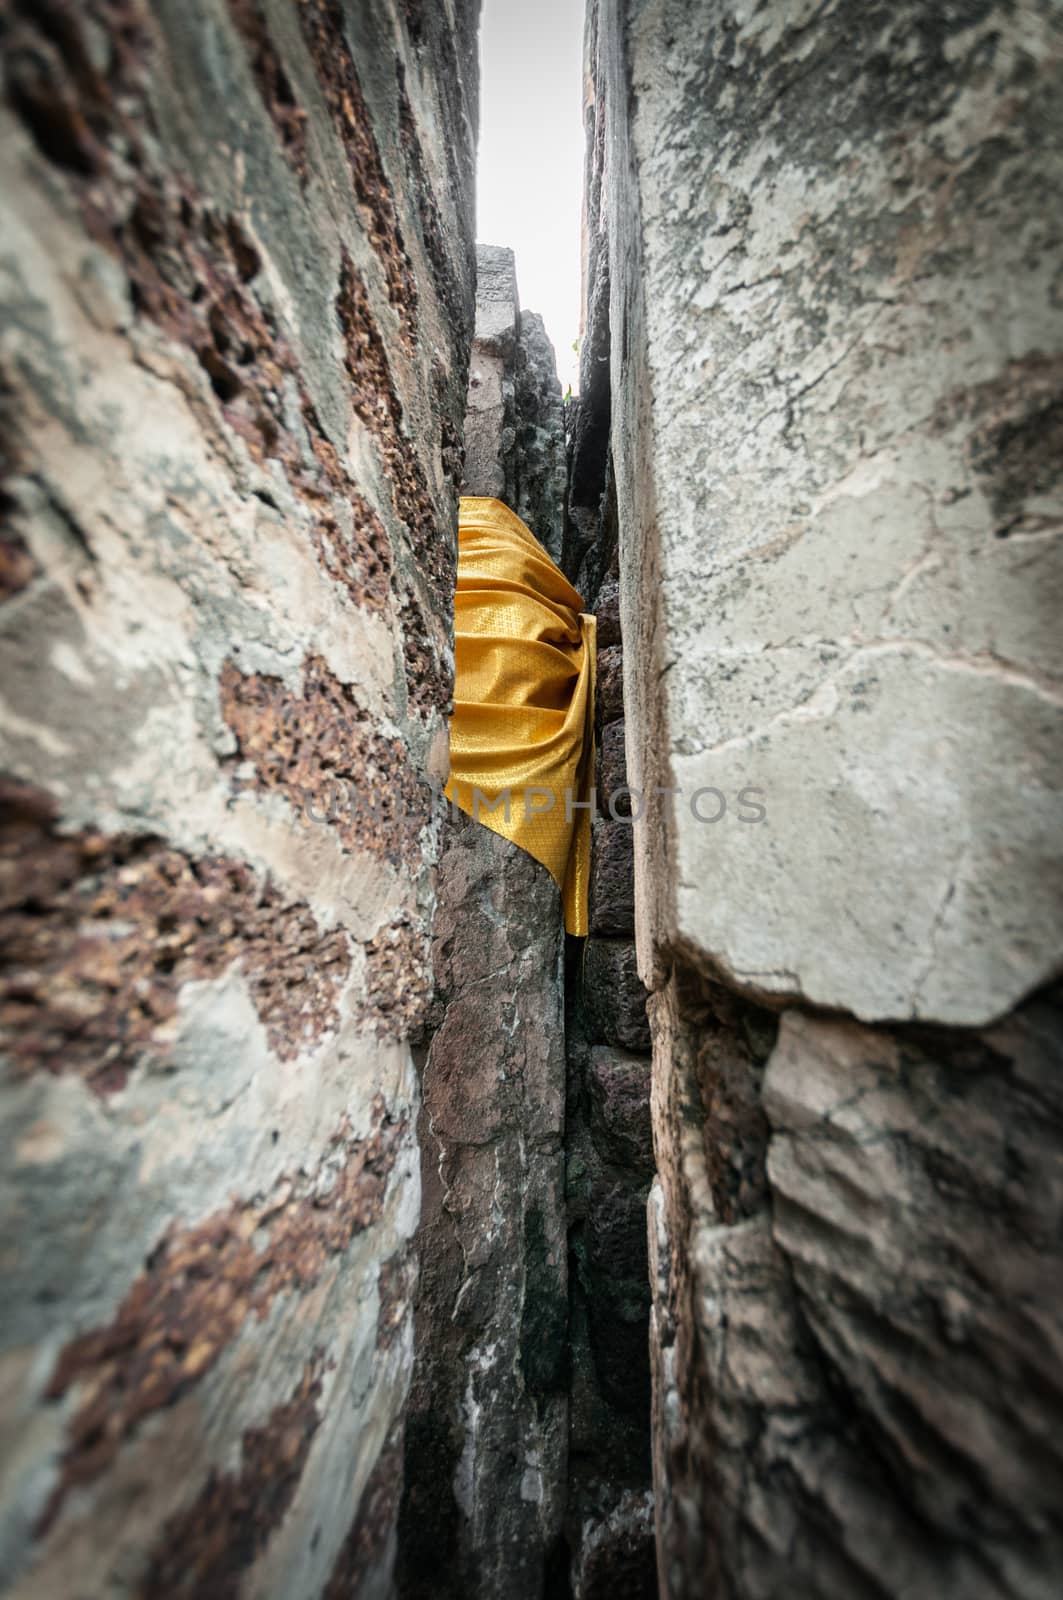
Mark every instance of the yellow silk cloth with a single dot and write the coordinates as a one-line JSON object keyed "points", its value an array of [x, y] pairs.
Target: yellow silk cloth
{"points": [[523, 697]]}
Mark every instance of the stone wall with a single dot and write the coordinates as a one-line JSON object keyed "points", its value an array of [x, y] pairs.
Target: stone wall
{"points": [[237, 279], [608, 1139], [609, 1168], [487, 1430], [835, 339], [515, 426]]}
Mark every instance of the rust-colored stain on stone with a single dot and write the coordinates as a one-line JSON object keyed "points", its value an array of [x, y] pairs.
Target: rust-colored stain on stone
{"points": [[398, 980], [364, 1546], [326, 37], [191, 270], [204, 1549], [54, 85], [98, 935], [320, 751], [428, 670], [273, 82], [201, 1284], [376, 403], [435, 243]]}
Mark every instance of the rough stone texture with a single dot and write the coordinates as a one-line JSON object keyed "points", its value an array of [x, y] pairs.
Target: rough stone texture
{"points": [[612, 895], [237, 282], [835, 288], [613, 797], [610, 684], [540, 436], [607, 610], [616, 1560], [585, 547], [835, 337], [614, 994], [857, 1384], [487, 1422], [619, 1085], [489, 418], [515, 426], [609, 1520], [609, 1163]]}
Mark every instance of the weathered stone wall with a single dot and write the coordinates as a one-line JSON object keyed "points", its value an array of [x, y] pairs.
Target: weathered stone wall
{"points": [[237, 286], [836, 441], [835, 338], [515, 426], [608, 1139], [487, 1428]]}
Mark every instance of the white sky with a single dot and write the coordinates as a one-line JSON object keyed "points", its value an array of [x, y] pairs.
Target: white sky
{"points": [[530, 175]]}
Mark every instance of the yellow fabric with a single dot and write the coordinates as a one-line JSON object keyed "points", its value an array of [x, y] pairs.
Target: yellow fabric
{"points": [[523, 697]]}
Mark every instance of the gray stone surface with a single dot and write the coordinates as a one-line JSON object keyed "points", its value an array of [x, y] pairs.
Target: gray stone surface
{"points": [[237, 285], [487, 1422], [490, 415], [497, 310], [614, 797], [610, 684], [539, 446], [612, 893], [834, 278], [486, 1425], [934, 1293], [613, 993], [607, 610], [585, 548], [835, 348], [856, 1370], [619, 1087]]}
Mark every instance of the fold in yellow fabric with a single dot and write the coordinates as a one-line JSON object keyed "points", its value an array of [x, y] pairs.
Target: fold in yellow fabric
{"points": [[521, 736]]}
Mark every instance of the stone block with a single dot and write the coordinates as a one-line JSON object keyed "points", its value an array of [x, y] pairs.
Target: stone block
{"points": [[486, 420], [838, 470], [616, 1559], [618, 1292], [612, 894], [612, 771], [539, 443], [488, 1413], [619, 1087], [607, 610], [864, 1356], [613, 993], [610, 683]]}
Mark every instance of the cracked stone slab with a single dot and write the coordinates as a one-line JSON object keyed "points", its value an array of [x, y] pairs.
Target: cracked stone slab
{"points": [[839, 476], [856, 1355]]}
